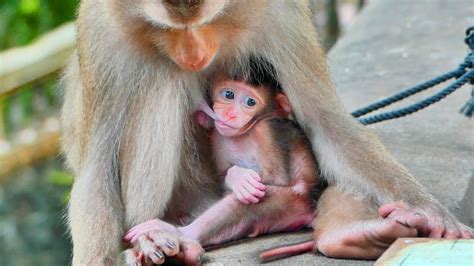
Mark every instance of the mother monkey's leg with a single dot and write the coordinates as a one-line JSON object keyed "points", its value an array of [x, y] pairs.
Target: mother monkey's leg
{"points": [[349, 226]]}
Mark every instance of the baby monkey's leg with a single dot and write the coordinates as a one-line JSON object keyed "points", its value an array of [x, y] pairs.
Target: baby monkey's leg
{"points": [[281, 210]]}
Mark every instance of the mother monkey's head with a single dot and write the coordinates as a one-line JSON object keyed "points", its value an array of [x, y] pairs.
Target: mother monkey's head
{"points": [[189, 32]]}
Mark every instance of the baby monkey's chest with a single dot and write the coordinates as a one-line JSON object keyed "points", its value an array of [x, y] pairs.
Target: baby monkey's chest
{"points": [[244, 154]]}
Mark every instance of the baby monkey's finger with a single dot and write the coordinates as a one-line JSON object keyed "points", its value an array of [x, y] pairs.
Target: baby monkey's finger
{"points": [[249, 197], [255, 176], [254, 191], [256, 184], [241, 197]]}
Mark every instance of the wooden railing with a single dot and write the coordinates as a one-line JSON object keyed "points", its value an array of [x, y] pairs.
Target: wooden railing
{"points": [[45, 56], [21, 66]]}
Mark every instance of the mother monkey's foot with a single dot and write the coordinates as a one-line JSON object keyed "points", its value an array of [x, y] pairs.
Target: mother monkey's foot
{"points": [[155, 240]]}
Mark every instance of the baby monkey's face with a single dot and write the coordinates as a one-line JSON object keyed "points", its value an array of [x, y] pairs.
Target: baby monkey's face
{"points": [[235, 104]]}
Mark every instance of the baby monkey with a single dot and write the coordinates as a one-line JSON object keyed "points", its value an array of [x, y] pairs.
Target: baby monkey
{"points": [[253, 140], [264, 158]]}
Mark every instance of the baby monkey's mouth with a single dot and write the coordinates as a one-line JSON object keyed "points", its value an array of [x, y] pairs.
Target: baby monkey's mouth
{"points": [[224, 124], [204, 107]]}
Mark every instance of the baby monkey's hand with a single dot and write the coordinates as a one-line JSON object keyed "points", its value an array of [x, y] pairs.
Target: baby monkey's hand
{"points": [[245, 183]]}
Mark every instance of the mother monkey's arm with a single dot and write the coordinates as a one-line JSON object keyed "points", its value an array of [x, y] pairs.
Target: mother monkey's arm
{"points": [[124, 119], [349, 154]]}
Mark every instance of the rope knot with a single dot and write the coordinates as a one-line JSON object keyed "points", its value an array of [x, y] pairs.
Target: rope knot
{"points": [[469, 40], [469, 63], [468, 108]]}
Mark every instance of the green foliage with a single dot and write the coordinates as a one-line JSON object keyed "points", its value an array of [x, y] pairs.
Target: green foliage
{"points": [[30, 106], [29, 7], [26, 98], [23, 20], [5, 110], [62, 179], [32, 205], [32, 225]]}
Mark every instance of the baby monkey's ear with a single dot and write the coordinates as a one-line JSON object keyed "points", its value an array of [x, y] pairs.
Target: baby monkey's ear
{"points": [[283, 106]]}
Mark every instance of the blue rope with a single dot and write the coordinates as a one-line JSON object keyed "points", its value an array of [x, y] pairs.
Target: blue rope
{"points": [[420, 105], [462, 77], [406, 93]]}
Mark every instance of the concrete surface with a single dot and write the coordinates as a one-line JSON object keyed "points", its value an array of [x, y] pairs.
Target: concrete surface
{"points": [[397, 44], [392, 45]]}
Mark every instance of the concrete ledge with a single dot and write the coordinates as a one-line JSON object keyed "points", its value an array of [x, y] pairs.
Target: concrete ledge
{"points": [[395, 44]]}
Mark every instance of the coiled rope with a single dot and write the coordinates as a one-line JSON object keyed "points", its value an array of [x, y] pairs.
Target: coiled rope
{"points": [[463, 74]]}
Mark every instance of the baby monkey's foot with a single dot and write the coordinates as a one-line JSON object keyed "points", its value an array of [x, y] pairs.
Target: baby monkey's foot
{"points": [[143, 228]]}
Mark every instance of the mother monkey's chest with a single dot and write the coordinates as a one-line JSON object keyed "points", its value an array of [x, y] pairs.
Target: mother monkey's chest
{"points": [[158, 118]]}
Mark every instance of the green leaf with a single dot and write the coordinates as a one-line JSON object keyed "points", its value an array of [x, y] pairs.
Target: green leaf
{"points": [[29, 7], [60, 178], [66, 197]]}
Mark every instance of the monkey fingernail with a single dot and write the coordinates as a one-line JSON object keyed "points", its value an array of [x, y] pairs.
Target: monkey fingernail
{"points": [[159, 254], [170, 244]]}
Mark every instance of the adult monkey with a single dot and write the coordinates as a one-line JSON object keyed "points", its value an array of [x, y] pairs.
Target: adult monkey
{"points": [[128, 133]]}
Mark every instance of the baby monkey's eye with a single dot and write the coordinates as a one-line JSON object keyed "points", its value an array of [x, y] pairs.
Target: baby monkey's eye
{"points": [[228, 94], [250, 102]]}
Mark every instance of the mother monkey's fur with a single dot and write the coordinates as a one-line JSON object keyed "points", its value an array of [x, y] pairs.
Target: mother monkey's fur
{"points": [[135, 79]]}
